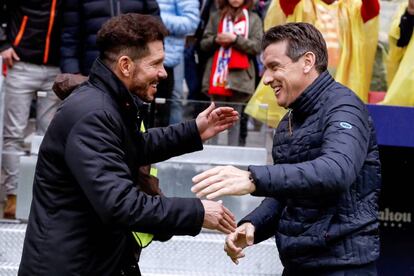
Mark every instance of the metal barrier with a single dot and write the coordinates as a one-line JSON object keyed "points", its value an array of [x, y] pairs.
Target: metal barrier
{"points": [[182, 255], [202, 255]]}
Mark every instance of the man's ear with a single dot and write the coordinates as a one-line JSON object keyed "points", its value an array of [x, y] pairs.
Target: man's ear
{"points": [[125, 66], [309, 62]]}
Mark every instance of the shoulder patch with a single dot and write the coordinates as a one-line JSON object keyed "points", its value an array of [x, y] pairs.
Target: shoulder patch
{"points": [[345, 125]]}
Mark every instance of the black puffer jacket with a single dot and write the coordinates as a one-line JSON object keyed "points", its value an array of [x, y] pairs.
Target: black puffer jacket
{"points": [[85, 203], [33, 30], [324, 185], [81, 23]]}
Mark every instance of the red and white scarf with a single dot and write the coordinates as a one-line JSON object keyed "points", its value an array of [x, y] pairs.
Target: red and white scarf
{"points": [[227, 59]]}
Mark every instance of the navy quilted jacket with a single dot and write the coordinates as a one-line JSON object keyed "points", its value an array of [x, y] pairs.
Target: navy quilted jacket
{"points": [[82, 20], [323, 187]]}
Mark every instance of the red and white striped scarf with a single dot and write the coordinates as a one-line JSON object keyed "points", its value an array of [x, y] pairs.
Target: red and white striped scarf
{"points": [[229, 58]]}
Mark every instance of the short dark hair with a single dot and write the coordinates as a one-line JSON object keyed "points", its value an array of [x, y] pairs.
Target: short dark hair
{"points": [[129, 34], [301, 38]]}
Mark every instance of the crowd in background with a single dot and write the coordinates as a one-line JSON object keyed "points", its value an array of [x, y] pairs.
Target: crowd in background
{"points": [[213, 47]]}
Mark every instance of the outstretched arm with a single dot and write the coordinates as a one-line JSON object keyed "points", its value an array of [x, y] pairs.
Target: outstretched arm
{"points": [[342, 156], [213, 120], [159, 144]]}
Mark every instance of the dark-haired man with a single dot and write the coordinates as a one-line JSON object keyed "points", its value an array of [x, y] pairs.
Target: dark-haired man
{"points": [[85, 202], [323, 188]]}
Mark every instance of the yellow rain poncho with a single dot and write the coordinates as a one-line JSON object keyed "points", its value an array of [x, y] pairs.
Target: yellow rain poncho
{"points": [[400, 67], [351, 60]]}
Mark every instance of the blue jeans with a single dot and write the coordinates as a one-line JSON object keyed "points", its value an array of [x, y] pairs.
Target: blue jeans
{"points": [[192, 74]]}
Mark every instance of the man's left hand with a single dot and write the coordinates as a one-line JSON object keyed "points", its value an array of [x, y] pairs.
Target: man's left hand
{"points": [[214, 120], [222, 180]]}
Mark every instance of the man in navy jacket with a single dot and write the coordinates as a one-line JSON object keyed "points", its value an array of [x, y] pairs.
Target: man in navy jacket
{"points": [[85, 200], [323, 188]]}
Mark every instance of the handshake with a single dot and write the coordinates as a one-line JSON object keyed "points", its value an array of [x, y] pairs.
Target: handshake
{"points": [[220, 181]]}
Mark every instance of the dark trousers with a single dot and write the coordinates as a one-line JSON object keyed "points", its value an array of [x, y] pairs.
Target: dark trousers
{"points": [[362, 270]]}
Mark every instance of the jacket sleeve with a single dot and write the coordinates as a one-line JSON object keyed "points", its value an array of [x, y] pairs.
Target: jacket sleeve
{"points": [[94, 155], [4, 15], [71, 37], [252, 44], [345, 141], [265, 219], [406, 29], [185, 20], [160, 144], [207, 43]]}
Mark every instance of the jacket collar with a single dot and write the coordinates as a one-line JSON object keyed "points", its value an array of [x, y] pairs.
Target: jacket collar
{"points": [[103, 77], [309, 99]]}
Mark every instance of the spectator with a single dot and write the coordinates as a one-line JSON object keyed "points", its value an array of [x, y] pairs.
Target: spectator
{"points": [[81, 21], [85, 199], [322, 190], [232, 37], [194, 59], [181, 18], [400, 58], [31, 53]]}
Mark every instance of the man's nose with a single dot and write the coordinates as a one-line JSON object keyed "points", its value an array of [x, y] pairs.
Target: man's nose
{"points": [[267, 78], [162, 74]]}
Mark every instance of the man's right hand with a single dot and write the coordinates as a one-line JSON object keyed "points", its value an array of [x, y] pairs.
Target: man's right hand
{"points": [[9, 55], [218, 217]]}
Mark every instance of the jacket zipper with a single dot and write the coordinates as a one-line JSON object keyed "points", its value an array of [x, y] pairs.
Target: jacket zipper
{"points": [[111, 7], [115, 6], [118, 7], [49, 31], [21, 31], [290, 122]]}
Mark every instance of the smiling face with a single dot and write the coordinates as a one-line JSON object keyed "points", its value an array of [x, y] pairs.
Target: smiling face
{"points": [[146, 72], [286, 77]]}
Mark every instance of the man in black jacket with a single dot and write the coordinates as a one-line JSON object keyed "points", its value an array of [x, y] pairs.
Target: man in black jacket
{"points": [[323, 188], [31, 52], [85, 201]]}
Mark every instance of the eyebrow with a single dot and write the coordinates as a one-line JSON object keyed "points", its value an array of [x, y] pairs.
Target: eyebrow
{"points": [[158, 60], [272, 63]]}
